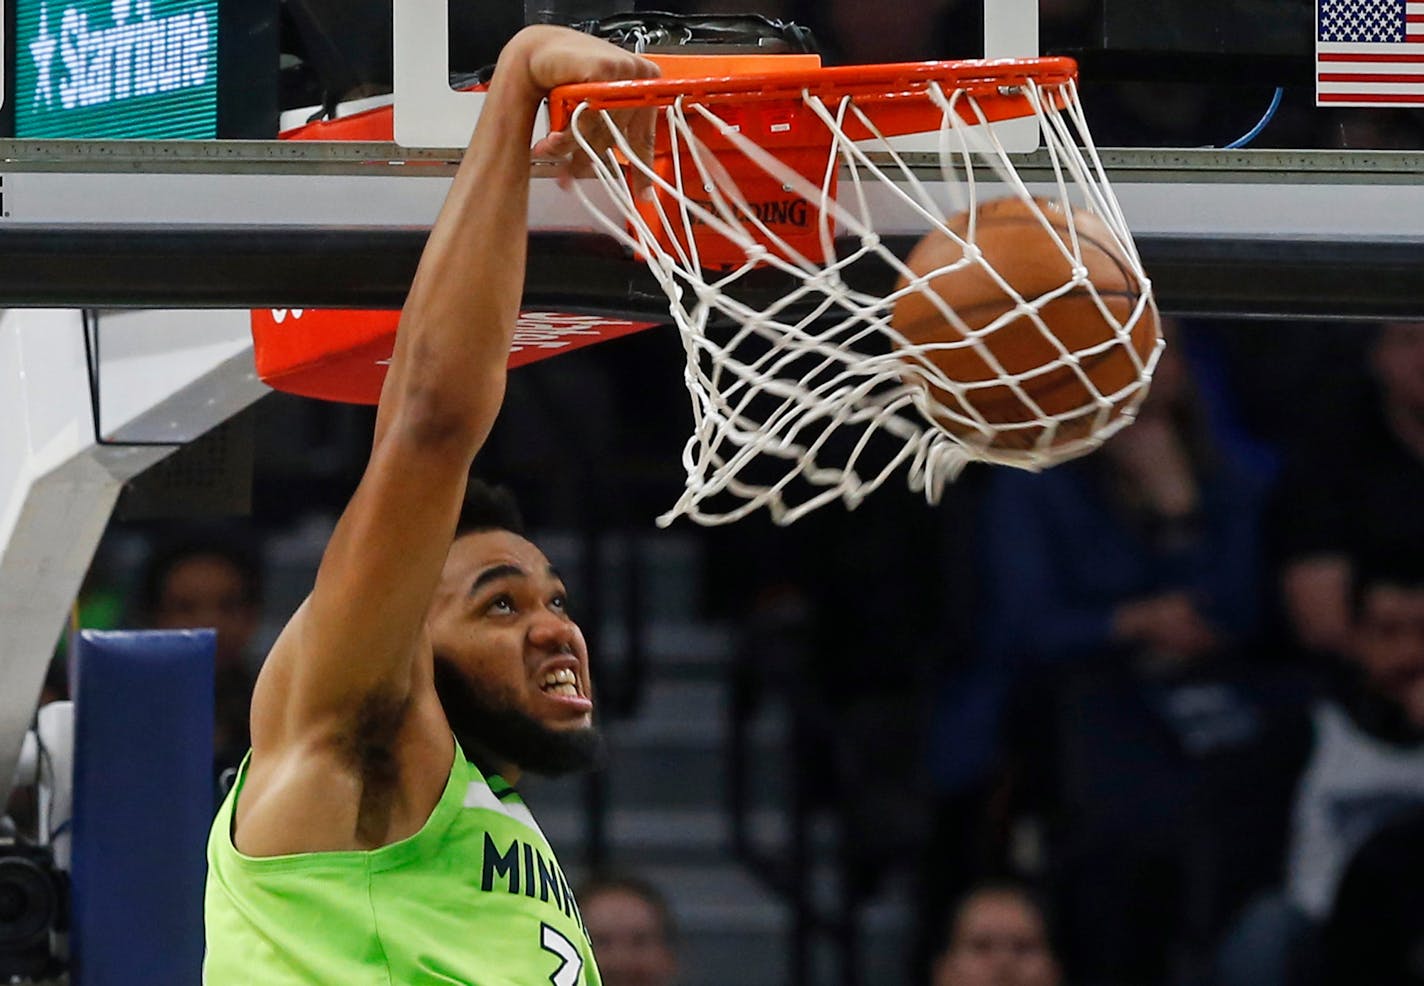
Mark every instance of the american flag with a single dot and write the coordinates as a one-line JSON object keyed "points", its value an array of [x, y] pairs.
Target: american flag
{"points": [[1369, 53]]}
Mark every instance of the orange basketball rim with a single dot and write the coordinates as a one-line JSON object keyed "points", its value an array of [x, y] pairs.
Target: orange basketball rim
{"points": [[780, 103]]}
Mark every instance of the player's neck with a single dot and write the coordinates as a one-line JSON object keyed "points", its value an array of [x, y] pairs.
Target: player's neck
{"points": [[489, 763]]}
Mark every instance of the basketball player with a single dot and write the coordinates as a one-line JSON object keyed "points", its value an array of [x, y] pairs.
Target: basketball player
{"points": [[373, 835]]}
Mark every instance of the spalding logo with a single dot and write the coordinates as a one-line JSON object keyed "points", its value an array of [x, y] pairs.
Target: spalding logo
{"points": [[785, 212]]}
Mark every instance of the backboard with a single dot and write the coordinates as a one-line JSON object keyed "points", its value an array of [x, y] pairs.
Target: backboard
{"points": [[1251, 230]]}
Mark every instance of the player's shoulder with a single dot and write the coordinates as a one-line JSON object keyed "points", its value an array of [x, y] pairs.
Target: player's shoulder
{"points": [[316, 793]]}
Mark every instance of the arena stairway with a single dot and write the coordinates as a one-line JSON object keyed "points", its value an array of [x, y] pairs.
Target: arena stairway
{"points": [[666, 782]]}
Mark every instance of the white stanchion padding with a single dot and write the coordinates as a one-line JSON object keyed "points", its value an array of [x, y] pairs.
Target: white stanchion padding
{"points": [[795, 402], [55, 729], [165, 377], [26, 768]]}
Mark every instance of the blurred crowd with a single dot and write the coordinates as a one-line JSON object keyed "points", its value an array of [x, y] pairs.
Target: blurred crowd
{"points": [[1178, 683], [1156, 714]]}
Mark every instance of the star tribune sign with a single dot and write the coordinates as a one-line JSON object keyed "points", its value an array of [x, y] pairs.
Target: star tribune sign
{"points": [[116, 68]]}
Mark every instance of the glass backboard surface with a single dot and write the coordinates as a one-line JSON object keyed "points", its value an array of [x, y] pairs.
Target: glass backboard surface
{"points": [[1228, 170], [1322, 74], [1182, 73], [1311, 74]]}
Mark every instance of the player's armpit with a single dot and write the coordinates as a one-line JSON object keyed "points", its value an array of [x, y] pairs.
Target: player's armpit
{"points": [[359, 633]]}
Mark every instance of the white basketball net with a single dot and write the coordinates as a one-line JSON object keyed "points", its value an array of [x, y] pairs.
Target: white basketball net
{"points": [[811, 396]]}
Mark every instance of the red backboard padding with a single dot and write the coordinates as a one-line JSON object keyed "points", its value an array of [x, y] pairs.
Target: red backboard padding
{"points": [[341, 355]]}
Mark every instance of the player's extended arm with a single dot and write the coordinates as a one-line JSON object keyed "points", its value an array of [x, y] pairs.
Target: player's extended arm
{"points": [[356, 636]]}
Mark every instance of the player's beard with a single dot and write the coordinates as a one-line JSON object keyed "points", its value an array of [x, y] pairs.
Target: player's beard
{"points": [[481, 720]]}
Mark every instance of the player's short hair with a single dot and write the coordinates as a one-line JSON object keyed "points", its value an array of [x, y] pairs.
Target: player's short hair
{"points": [[488, 507], [238, 553], [1031, 897], [615, 882]]}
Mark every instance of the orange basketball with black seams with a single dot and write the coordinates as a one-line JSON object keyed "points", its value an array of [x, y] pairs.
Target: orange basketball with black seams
{"points": [[1033, 261]]}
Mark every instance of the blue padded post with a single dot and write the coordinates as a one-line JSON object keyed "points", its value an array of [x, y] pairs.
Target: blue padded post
{"points": [[143, 802]]}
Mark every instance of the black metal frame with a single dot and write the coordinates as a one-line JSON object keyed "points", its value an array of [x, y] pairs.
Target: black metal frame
{"points": [[94, 368], [788, 870], [365, 267]]}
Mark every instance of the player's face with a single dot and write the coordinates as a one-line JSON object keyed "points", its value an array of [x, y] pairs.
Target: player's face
{"points": [[511, 664], [208, 591], [1390, 644], [998, 941], [629, 940]]}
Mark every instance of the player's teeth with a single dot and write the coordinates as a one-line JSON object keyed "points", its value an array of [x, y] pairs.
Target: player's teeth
{"points": [[560, 682]]}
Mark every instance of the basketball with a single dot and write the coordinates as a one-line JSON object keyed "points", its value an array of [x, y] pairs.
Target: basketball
{"points": [[1033, 261]]}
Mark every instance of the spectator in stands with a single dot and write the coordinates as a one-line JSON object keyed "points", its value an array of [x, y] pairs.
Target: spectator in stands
{"points": [[1119, 589], [1351, 767], [998, 936], [1146, 550], [1353, 489], [632, 930], [207, 579], [1376, 929]]}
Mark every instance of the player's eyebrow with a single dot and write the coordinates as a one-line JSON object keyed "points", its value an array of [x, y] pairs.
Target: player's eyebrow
{"points": [[493, 574]]}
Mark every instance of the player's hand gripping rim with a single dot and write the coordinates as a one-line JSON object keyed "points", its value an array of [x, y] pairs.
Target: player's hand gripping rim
{"points": [[558, 56]]}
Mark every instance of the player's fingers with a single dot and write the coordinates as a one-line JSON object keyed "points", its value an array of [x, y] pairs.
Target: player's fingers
{"points": [[645, 69], [581, 166], [557, 144], [565, 176]]}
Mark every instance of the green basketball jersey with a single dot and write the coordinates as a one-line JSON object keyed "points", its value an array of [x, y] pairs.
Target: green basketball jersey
{"points": [[475, 897]]}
